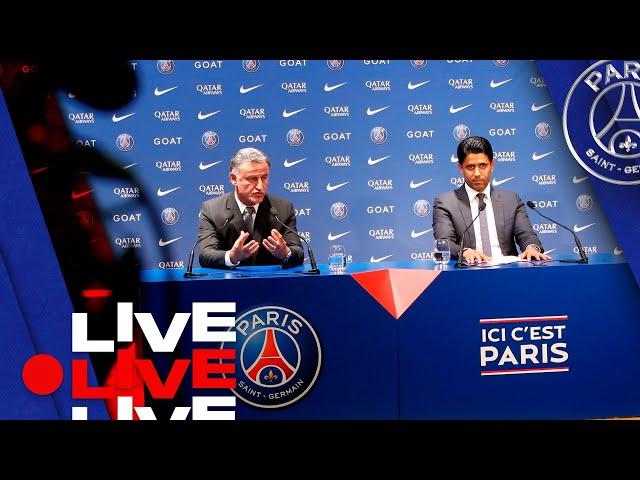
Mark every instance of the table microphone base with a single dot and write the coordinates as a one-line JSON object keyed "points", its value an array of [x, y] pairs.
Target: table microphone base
{"points": [[195, 275]]}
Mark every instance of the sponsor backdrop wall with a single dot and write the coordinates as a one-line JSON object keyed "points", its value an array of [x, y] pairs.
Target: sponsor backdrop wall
{"points": [[361, 147]]}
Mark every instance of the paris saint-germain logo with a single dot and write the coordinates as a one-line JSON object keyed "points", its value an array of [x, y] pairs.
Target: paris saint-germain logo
{"points": [[295, 137], [335, 64], [601, 121], [124, 141], [166, 66], [279, 357], [543, 131], [210, 139], [422, 208], [251, 65], [418, 63], [460, 132], [378, 135], [338, 210], [501, 63], [170, 216]]}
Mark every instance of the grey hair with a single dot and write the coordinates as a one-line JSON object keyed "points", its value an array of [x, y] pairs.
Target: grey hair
{"points": [[245, 155]]}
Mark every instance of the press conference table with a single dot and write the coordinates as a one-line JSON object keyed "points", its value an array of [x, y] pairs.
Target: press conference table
{"points": [[411, 340]]}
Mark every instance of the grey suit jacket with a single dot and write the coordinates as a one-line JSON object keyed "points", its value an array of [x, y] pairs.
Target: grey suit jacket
{"points": [[214, 245], [452, 214]]}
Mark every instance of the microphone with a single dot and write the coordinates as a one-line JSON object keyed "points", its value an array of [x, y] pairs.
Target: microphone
{"points": [[481, 207], [314, 267], [583, 256], [189, 273]]}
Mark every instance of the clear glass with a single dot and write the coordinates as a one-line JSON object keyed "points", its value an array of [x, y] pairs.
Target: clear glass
{"points": [[441, 251], [337, 259]]}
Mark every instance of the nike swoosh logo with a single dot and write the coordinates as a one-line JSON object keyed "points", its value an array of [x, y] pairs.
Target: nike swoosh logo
{"points": [[419, 184], [247, 90], [129, 166], [162, 92], [328, 88], [372, 161], [377, 110], [577, 229], [288, 164], [331, 237], [547, 252], [162, 193], [415, 234], [331, 188], [535, 108], [500, 182], [204, 116], [204, 166], [286, 114], [497, 84], [413, 86], [453, 109], [373, 259], [116, 118], [617, 251], [75, 196], [162, 243], [454, 159], [579, 180], [535, 156]]}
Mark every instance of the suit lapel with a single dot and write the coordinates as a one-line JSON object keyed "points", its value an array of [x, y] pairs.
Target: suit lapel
{"points": [[261, 225], [232, 207], [465, 211], [498, 214]]}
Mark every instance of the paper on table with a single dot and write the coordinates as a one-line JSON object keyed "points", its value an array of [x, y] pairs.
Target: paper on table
{"points": [[503, 260]]}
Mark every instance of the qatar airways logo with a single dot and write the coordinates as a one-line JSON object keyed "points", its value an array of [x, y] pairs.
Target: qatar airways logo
{"points": [[212, 366], [294, 87], [81, 118], [337, 111], [545, 228], [422, 158], [253, 113], [504, 156], [381, 184], [169, 166], [209, 88], [503, 107], [167, 115], [297, 187], [545, 179], [381, 233], [378, 85], [127, 242], [338, 160], [212, 190], [461, 83], [127, 192], [421, 108], [538, 82]]}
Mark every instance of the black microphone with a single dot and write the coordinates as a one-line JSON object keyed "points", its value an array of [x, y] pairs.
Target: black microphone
{"points": [[314, 267], [481, 207], [583, 256], [189, 273]]}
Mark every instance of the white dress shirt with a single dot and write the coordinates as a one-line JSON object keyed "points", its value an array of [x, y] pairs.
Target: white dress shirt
{"points": [[242, 207], [496, 251]]}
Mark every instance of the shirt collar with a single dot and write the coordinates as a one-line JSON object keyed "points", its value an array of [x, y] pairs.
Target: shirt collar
{"points": [[242, 206], [472, 193]]}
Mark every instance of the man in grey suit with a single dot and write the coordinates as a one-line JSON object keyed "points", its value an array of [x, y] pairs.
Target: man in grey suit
{"points": [[502, 222], [238, 228]]}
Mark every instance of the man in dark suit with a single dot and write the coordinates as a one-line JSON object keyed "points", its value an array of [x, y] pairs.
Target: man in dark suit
{"points": [[502, 222], [252, 236]]}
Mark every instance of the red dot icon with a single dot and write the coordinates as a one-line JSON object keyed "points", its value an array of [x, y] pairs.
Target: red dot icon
{"points": [[42, 374]]}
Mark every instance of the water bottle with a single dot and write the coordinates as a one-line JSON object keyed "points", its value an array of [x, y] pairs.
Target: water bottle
{"points": [[337, 259], [441, 251]]}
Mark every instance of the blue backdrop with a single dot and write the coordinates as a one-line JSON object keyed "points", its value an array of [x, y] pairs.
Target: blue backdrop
{"points": [[360, 147]]}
